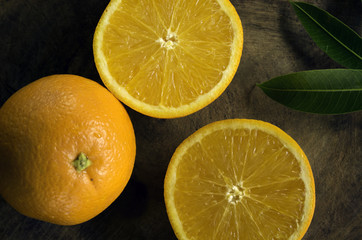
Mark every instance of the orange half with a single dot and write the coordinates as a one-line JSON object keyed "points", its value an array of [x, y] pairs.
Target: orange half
{"points": [[168, 59], [239, 179]]}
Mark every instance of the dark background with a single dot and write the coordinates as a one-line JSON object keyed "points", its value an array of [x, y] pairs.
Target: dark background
{"points": [[39, 38]]}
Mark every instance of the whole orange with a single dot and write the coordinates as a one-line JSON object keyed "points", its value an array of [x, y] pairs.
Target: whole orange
{"points": [[67, 149]]}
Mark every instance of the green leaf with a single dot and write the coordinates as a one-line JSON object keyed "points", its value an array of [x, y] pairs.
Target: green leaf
{"points": [[335, 38], [331, 91]]}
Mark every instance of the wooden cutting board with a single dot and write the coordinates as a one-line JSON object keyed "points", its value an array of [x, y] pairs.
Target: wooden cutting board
{"points": [[39, 38]]}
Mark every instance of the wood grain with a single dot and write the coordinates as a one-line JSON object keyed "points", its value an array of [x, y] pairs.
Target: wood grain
{"points": [[40, 38]]}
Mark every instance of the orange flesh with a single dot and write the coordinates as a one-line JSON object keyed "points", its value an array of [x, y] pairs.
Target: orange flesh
{"points": [[239, 184], [150, 49]]}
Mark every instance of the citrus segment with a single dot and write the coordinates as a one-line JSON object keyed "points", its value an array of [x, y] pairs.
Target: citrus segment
{"points": [[239, 179], [168, 58]]}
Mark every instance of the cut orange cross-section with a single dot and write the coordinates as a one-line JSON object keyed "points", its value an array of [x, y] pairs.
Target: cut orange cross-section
{"points": [[166, 58], [239, 179]]}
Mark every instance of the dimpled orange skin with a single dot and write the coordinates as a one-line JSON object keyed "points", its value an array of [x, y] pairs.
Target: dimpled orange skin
{"points": [[43, 128]]}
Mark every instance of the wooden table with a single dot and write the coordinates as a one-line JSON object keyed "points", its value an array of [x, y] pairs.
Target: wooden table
{"points": [[40, 38]]}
